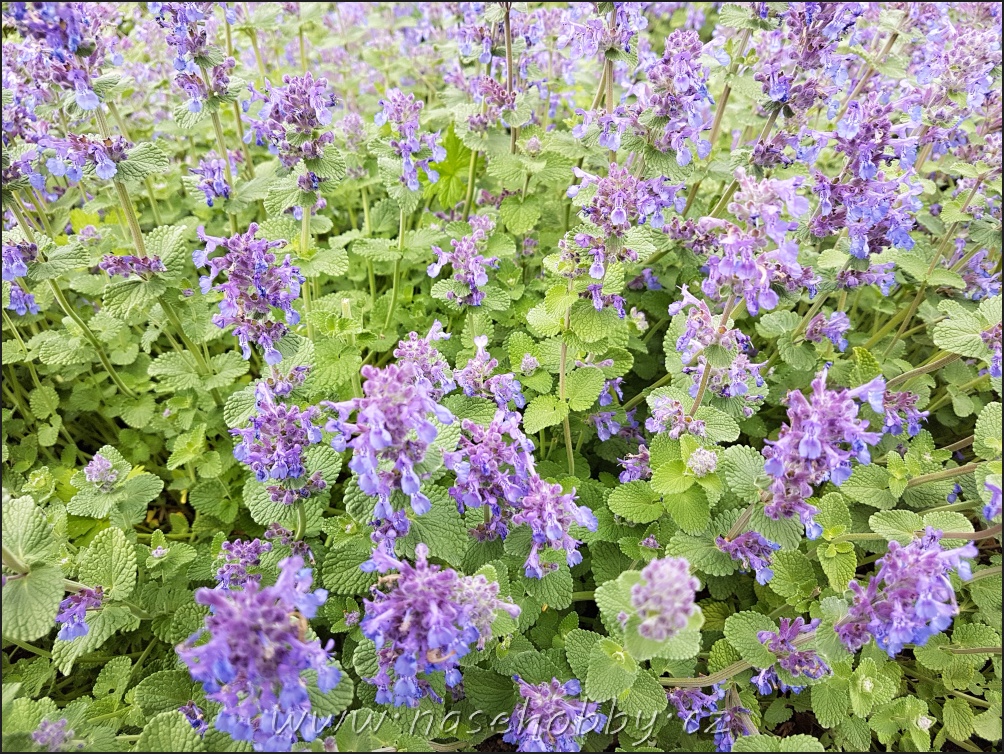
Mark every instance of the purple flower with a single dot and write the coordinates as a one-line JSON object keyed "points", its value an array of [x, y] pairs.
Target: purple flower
{"points": [[255, 285], [428, 362], [238, 556], [294, 118], [21, 302], [635, 466], [16, 258], [611, 388], [664, 598], [423, 619], [476, 378], [549, 718], [491, 465], [797, 662], [212, 171], [73, 612], [619, 202], [260, 682], [550, 515], [401, 111], [77, 151], [833, 329], [693, 705], [273, 446], [468, 263], [881, 275], [992, 509], [821, 438], [529, 364], [767, 680], [647, 280], [391, 433], [282, 384], [909, 599], [701, 329], [900, 407], [54, 735], [101, 473], [669, 415], [992, 338], [195, 716], [680, 95], [129, 264], [606, 424], [753, 551], [733, 722], [702, 462]]}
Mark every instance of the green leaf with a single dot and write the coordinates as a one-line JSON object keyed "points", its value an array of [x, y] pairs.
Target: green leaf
{"points": [[839, 566], [578, 644], [488, 690], [44, 401], [520, 214], [636, 501], [794, 578], [741, 630], [690, 510], [741, 466], [30, 603], [169, 731], [340, 572], [611, 671], [646, 698], [58, 261], [583, 388], [958, 718], [765, 743], [441, 528], [896, 525], [720, 427], [146, 158], [543, 411], [164, 690], [27, 533], [110, 561], [869, 485], [988, 444], [239, 407], [672, 478], [188, 446], [101, 626], [776, 324], [830, 701]]}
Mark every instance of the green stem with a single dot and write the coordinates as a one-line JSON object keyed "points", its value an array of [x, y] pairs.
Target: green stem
{"points": [[304, 246], [947, 397], [357, 390], [972, 650], [562, 377], [397, 272], [990, 533], [583, 596], [120, 121], [937, 476], [507, 32], [469, 198], [301, 520], [934, 366], [740, 525], [664, 380], [707, 371], [30, 648], [200, 360], [123, 194], [986, 573], [12, 562]]}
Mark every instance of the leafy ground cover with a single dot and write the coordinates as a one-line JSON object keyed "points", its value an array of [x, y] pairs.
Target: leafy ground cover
{"points": [[492, 376]]}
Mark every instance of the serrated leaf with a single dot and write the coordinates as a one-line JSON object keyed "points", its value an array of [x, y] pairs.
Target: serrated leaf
{"points": [[583, 387], [27, 534], [169, 731], [988, 444], [611, 671], [897, 525], [110, 561], [636, 501], [543, 411], [30, 603]]}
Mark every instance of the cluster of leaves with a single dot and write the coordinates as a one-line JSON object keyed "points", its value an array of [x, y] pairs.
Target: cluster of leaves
{"points": [[134, 370]]}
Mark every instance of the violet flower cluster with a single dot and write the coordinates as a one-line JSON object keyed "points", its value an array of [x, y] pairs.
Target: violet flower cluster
{"points": [[54, 735], [77, 152], [391, 433], [823, 435], [424, 619], [478, 378], [909, 599], [212, 174], [255, 285], [260, 684], [468, 262], [429, 364], [274, 443], [198, 75], [130, 264], [17, 256], [753, 551], [669, 416], [101, 473], [548, 717], [797, 662], [492, 465], [663, 598], [693, 705], [416, 150], [73, 612], [550, 514], [238, 557], [832, 328], [293, 119]]}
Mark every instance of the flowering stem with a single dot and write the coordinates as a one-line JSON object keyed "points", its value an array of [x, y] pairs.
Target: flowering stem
{"points": [[304, 246], [221, 145], [469, 198], [357, 390], [706, 376], [740, 524], [934, 366], [972, 650], [146, 180], [937, 476], [867, 75], [252, 32], [68, 309], [725, 673], [947, 397], [507, 30], [123, 194], [727, 196], [566, 423]]}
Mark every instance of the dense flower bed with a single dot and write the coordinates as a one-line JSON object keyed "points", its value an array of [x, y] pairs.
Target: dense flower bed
{"points": [[492, 376]]}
